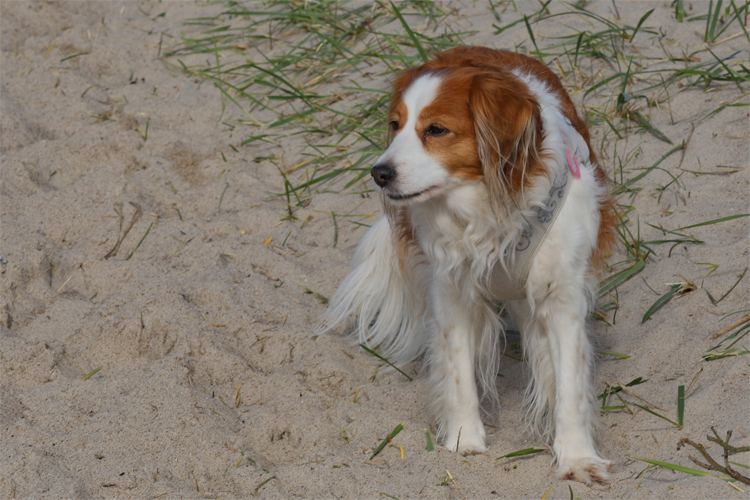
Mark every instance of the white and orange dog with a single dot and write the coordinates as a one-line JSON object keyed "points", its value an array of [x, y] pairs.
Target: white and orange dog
{"points": [[491, 193]]}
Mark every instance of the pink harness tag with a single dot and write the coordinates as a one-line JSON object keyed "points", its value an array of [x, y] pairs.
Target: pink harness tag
{"points": [[576, 171]]}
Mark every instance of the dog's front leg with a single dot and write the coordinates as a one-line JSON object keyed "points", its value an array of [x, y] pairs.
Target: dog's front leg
{"points": [[453, 391], [575, 413]]}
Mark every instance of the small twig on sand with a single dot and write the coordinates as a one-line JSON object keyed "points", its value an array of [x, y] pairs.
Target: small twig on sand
{"points": [[728, 450]]}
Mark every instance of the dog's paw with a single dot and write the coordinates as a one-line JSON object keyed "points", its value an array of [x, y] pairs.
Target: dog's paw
{"points": [[586, 470], [467, 440]]}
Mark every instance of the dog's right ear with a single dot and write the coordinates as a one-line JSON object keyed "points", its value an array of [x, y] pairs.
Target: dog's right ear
{"points": [[509, 133]]}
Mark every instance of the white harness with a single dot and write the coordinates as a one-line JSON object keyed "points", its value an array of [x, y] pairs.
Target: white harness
{"points": [[510, 284]]}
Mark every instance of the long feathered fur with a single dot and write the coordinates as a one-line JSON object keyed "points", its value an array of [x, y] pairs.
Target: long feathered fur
{"points": [[381, 295], [419, 278]]}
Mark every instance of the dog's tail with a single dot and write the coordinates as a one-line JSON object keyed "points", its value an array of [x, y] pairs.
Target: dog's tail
{"points": [[385, 294]]}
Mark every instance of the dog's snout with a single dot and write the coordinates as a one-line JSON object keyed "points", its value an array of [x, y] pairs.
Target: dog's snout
{"points": [[383, 174]]}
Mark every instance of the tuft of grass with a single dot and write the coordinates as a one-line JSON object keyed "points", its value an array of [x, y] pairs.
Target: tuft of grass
{"points": [[306, 70], [320, 70]]}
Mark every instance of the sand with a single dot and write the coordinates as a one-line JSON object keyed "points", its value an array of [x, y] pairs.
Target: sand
{"points": [[211, 383]]}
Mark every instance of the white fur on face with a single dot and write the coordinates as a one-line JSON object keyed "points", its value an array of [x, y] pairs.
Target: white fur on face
{"points": [[418, 175]]}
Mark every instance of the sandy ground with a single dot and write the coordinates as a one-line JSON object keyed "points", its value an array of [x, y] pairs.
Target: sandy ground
{"points": [[211, 384]]}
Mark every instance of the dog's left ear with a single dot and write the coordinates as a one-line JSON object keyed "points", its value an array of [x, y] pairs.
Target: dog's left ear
{"points": [[508, 130]]}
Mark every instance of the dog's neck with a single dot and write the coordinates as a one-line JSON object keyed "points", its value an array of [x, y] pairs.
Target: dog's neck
{"points": [[461, 236]]}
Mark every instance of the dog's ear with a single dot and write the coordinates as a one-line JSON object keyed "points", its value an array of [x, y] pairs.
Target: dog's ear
{"points": [[509, 133]]}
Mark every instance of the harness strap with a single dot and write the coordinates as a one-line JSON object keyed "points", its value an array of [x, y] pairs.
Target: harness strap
{"points": [[510, 284]]}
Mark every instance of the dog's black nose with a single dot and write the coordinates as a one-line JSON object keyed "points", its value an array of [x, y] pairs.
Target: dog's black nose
{"points": [[382, 174]]}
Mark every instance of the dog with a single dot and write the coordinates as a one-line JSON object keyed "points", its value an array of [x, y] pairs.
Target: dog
{"points": [[492, 194]]}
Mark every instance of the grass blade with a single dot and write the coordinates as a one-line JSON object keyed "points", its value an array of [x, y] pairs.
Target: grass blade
{"points": [[711, 22], [737, 15], [533, 39], [604, 353], [139, 243], [640, 23], [708, 20], [714, 301], [733, 351], [383, 359], [661, 301], [387, 440], [620, 277], [430, 446], [737, 335], [680, 404], [638, 117], [679, 10], [660, 416], [409, 32], [615, 390], [649, 169], [91, 373], [680, 468], [525, 451], [715, 221]]}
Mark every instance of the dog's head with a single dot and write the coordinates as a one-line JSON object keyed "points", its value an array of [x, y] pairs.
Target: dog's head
{"points": [[450, 124]]}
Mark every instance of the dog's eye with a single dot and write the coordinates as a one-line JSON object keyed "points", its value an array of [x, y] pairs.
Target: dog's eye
{"points": [[394, 125], [436, 130]]}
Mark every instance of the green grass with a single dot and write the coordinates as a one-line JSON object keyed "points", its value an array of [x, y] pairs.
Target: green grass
{"points": [[525, 451], [387, 440], [320, 70]]}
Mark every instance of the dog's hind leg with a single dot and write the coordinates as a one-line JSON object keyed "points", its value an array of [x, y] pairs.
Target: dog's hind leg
{"points": [[385, 292]]}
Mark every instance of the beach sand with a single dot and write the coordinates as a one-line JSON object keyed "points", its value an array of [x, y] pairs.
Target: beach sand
{"points": [[211, 382]]}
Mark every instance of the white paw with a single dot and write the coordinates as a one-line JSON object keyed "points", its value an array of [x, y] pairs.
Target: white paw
{"points": [[586, 470], [466, 439]]}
